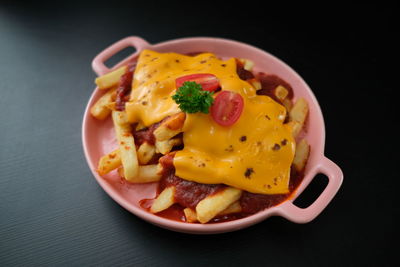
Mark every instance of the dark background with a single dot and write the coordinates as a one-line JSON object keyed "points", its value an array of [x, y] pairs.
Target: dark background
{"points": [[52, 211]]}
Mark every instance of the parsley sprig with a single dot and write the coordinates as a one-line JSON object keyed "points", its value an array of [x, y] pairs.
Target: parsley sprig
{"points": [[191, 98]]}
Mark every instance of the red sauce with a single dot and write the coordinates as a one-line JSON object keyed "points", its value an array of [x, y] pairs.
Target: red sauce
{"points": [[146, 203], [124, 87], [175, 212], [242, 72], [252, 203], [268, 84], [167, 163]]}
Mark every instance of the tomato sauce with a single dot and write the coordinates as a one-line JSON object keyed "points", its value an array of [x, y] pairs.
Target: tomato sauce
{"points": [[268, 84], [242, 72], [125, 87]]}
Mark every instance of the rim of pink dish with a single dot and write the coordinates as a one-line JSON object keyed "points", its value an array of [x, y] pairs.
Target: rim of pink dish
{"points": [[98, 137]]}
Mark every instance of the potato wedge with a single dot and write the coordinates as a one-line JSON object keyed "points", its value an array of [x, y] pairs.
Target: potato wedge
{"points": [[164, 200], [109, 162], [212, 205], [100, 109], [301, 155], [170, 127], [127, 146], [110, 79], [145, 153]]}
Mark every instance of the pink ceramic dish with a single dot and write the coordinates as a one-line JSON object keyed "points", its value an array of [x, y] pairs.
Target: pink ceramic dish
{"points": [[98, 137]]}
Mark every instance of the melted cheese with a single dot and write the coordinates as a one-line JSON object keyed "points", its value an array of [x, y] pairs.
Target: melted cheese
{"points": [[254, 154]]}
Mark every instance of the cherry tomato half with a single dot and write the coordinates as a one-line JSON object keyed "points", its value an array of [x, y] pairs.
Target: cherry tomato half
{"points": [[227, 108], [208, 81]]}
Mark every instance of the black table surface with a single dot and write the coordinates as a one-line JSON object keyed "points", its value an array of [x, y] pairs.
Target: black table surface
{"points": [[53, 212]]}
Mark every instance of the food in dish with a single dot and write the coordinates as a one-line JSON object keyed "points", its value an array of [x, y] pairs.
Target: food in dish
{"points": [[221, 141]]}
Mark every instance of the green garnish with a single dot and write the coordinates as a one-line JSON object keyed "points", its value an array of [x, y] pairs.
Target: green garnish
{"points": [[191, 98]]}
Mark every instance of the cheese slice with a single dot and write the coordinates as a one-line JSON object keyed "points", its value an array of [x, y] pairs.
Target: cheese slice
{"points": [[254, 154]]}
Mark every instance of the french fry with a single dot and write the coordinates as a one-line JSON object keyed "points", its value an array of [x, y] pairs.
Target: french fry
{"points": [[119, 117], [100, 109], [165, 147], [296, 127], [233, 208], [299, 111], [109, 162], [163, 133], [256, 83], [112, 106], [164, 200], [190, 214], [146, 173], [301, 155], [149, 173], [297, 116], [281, 92], [127, 147], [247, 64], [170, 127], [212, 205], [110, 79], [145, 153]]}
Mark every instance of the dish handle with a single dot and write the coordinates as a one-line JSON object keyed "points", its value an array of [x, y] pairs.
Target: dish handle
{"points": [[299, 215], [98, 62]]}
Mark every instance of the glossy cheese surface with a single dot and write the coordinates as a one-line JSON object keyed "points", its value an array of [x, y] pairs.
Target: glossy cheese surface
{"points": [[254, 154]]}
